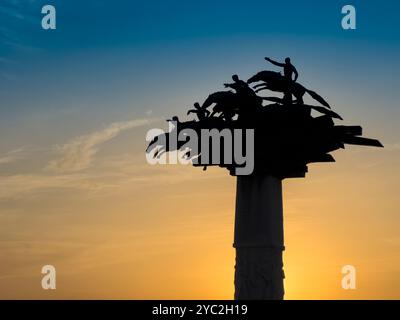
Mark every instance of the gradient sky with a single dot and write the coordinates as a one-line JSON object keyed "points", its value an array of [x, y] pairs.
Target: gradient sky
{"points": [[77, 193]]}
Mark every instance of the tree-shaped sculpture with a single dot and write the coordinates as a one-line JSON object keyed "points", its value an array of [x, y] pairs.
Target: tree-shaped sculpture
{"points": [[286, 139]]}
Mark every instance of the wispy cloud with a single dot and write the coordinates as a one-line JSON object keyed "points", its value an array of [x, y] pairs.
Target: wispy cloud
{"points": [[13, 156], [78, 154], [113, 176]]}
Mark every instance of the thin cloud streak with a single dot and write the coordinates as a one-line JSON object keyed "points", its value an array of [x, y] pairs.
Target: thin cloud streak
{"points": [[13, 156], [78, 154]]}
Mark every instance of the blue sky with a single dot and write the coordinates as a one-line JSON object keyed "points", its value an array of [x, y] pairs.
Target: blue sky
{"points": [[110, 60], [131, 24]]}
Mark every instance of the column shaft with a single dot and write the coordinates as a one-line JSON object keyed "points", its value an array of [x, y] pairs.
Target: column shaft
{"points": [[259, 238]]}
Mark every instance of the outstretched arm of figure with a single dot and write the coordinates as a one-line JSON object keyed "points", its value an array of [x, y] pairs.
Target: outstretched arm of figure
{"points": [[296, 74], [276, 63], [191, 111], [228, 85]]}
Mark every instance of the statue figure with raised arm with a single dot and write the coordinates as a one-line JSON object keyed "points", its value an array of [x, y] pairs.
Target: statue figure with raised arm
{"points": [[288, 68]]}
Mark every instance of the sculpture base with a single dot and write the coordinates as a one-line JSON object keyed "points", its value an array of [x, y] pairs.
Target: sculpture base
{"points": [[259, 274], [259, 238]]}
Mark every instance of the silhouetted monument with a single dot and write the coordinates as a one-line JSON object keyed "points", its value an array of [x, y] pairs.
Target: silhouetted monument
{"points": [[286, 139]]}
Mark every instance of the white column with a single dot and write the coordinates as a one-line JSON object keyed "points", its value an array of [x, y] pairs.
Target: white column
{"points": [[259, 238]]}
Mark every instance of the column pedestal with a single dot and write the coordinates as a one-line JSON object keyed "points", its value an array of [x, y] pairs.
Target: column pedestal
{"points": [[259, 238]]}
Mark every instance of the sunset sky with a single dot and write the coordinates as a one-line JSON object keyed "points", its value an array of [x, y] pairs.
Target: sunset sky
{"points": [[76, 191]]}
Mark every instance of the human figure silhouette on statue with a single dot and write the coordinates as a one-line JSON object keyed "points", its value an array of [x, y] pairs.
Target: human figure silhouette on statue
{"points": [[246, 95], [201, 113], [288, 70]]}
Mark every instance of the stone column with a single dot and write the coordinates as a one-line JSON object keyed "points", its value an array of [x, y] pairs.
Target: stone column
{"points": [[259, 238]]}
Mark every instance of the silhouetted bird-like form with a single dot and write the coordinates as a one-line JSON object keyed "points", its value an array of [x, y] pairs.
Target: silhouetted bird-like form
{"points": [[274, 81], [287, 136], [225, 104], [245, 95]]}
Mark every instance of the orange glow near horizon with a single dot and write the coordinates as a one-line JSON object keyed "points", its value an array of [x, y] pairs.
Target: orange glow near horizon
{"points": [[166, 232]]}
